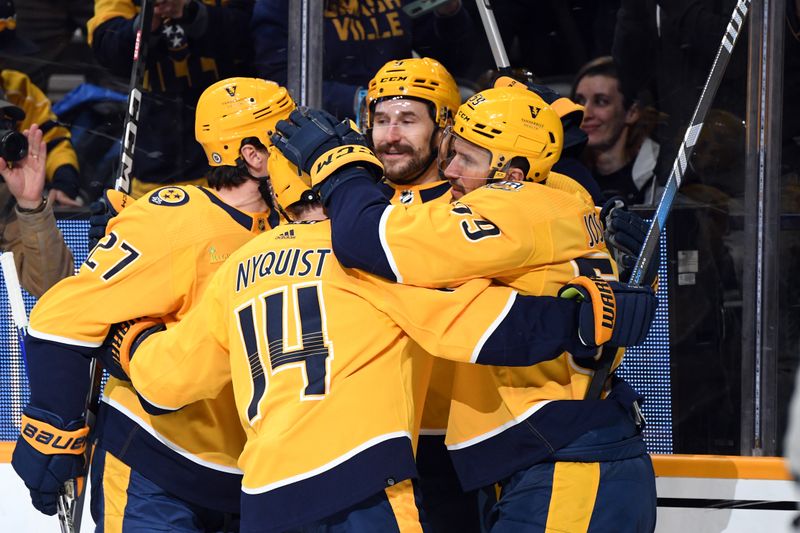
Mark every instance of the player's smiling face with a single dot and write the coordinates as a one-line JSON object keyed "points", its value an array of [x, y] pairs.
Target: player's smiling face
{"points": [[401, 134], [467, 166]]}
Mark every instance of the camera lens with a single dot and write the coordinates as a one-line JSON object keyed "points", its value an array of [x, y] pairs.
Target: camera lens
{"points": [[13, 145]]}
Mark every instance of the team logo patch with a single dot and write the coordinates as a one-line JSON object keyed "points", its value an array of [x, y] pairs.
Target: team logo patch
{"points": [[407, 197], [231, 90], [169, 196], [216, 157], [506, 185], [534, 111]]}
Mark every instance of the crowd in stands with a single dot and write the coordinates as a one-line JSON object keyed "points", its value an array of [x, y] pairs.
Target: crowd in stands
{"points": [[636, 108]]}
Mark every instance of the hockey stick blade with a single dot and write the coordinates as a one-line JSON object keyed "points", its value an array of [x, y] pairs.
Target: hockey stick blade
{"points": [[650, 246]]}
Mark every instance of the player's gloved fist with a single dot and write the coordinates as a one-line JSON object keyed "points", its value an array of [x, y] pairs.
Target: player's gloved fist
{"points": [[49, 452], [107, 207], [625, 233], [121, 342], [307, 135], [330, 152], [611, 312]]}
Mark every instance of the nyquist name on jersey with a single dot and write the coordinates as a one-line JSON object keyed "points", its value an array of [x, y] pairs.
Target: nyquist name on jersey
{"points": [[289, 262]]}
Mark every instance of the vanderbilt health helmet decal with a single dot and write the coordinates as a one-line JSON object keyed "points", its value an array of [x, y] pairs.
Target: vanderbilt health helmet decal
{"points": [[169, 196]]}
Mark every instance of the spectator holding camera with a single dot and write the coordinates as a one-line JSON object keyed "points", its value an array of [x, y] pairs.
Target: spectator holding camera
{"points": [[27, 225], [61, 166]]}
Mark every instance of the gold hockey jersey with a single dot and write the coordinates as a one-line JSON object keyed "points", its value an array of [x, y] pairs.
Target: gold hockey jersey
{"points": [[156, 260], [533, 237], [321, 368], [437, 400]]}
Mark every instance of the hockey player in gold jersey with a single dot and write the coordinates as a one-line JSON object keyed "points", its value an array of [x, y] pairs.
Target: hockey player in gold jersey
{"points": [[562, 462], [409, 104], [177, 471], [321, 368]]}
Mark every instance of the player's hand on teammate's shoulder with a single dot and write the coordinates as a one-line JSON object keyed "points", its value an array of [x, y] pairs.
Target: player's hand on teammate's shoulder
{"points": [[121, 342], [611, 312]]}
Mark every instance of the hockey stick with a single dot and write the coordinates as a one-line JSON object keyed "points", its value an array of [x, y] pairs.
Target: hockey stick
{"points": [[650, 246], [131, 125], [64, 504], [72, 495], [493, 35]]}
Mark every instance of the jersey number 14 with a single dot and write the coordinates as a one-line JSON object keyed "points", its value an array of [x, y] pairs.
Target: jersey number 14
{"points": [[312, 354]]}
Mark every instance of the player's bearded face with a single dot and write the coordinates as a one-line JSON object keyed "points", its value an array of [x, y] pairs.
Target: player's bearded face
{"points": [[464, 164], [401, 134]]}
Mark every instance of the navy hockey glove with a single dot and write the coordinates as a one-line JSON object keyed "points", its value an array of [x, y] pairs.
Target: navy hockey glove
{"points": [[49, 452], [309, 133], [625, 233], [121, 342], [330, 152], [107, 207], [611, 312]]}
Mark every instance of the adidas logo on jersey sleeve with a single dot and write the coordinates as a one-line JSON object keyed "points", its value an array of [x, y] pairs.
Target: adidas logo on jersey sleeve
{"points": [[288, 234]]}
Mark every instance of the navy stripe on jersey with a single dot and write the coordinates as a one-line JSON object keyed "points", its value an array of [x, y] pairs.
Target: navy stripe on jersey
{"points": [[355, 208], [153, 409], [61, 388], [535, 329], [246, 221], [533, 439], [171, 471], [387, 190], [426, 195], [322, 495]]}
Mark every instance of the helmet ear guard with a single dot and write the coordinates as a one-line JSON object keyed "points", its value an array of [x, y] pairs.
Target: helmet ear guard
{"points": [[289, 184], [234, 109]]}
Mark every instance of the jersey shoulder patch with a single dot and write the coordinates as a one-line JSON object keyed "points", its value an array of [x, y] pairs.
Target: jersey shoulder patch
{"points": [[169, 196], [506, 185]]}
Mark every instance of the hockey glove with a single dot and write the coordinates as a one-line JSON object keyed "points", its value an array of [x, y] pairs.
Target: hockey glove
{"points": [[625, 233], [49, 453], [121, 342], [611, 312], [317, 144], [308, 134], [103, 210]]}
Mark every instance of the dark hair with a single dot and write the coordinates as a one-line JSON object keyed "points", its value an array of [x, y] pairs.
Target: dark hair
{"points": [[602, 66], [230, 175], [648, 115]]}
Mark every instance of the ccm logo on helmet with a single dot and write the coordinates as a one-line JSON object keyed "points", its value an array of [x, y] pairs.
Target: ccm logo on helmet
{"points": [[394, 78]]}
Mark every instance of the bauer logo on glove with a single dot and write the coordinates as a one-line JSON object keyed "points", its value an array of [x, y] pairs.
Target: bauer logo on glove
{"points": [[50, 440]]}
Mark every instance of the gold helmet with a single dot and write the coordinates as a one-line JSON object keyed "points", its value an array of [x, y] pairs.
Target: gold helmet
{"points": [[512, 122], [422, 78], [288, 183], [237, 108]]}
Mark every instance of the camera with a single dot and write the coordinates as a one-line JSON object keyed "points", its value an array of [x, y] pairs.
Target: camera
{"points": [[13, 145]]}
